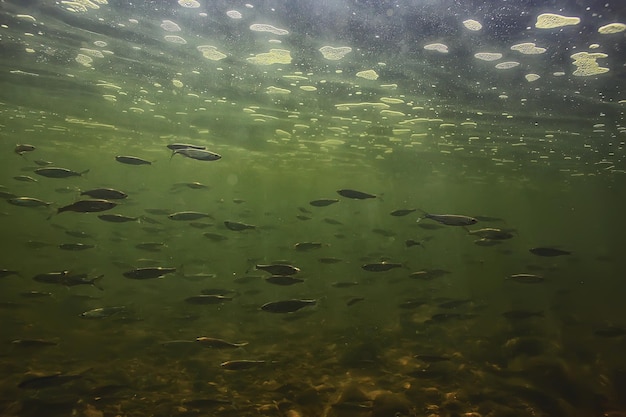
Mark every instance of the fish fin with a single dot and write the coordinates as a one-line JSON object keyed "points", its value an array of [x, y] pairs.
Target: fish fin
{"points": [[96, 282], [83, 172]]}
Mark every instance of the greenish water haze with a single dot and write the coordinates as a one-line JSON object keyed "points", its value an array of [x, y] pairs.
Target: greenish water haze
{"points": [[439, 132]]}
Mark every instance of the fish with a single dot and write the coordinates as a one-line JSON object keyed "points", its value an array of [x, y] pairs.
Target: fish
{"points": [[6, 194], [117, 218], [215, 291], [238, 227], [304, 246], [193, 185], [549, 252], [450, 219], [323, 202], [42, 163], [214, 237], [46, 381], [76, 246], [22, 148], [102, 312], [354, 300], [412, 242], [105, 194], [65, 278], [279, 269], [28, 202], [487, 242], [24, 178], [88, 206], [283, 280], [36, 294], [333, 222], [381, 266], [34, 342], [148, 272], [287, 306], [207, 299], [428, 274], [56, 172], [151, 246], [355, 195], [132, 160], [303, 218], [178, 146], [187, 215], [7, 272], [402, 212], [491, 233], [214, 343], [344, 284], [205, 402], [521, 314], [238, 365], [200, 225], [527, 278], [197, 154], [78, 234]]}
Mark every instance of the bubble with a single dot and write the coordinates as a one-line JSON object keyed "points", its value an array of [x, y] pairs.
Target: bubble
{"points": [[234, 14], [550, 21], [472, 25], [528, 48], [368, 75], [274, 56], [268, 28], [532, 77], [170, 26], [488, 56], [190, 4], [334, 54], [175, 39], [507, 65], [211, 52], [612, 28], [439, 47]]}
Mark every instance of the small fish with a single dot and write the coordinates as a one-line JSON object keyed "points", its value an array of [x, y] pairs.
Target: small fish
{"points": [[521, 314], [178, 146], [238, 365], [7, 272], [428, 274], [527, 278], [207, 299], [193, 185], [549, 252], [46, 381], [36, 294], [610, 331], [132, 160], [215, 291], [491, 233], [303, 217], [287, 306], [354, 300], [24, 178], [78, 234], [283, 280], [432, 358], [6, 194], [56, 172], [34, 342], [197, 154], [215, 237], [323, 202], [454, 303], [305, 246], [279, 269], [451, 219], [88, 206], [117, 218], [356, 195], [148, 272], [102, 312], [105, 194], [402, 212], [22, 148], [333, 222], [187, 215], [28, 202], [344, 284], [412, 242], [381, 266], [42, 163], [238, 227], [151, 246], [214, 343], [67, 279], [75, 246], [487, 242]]}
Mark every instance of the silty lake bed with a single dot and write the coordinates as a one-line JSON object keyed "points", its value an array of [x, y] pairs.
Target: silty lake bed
{"points": [[302, 209]]}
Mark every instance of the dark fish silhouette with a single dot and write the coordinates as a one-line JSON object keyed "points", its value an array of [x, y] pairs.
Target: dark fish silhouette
{"points": [[214, 343], [527, 278], [279, 269], [402, 212], [56, 172], [237, 226], [46, 381], [132, 160], [451, 219], [207, 299], [549, 252], [22, 148], [75, 246], [188, 215], [117, 218], [148, 272], [381, 266], [286, 306], [105, 194], [283, 280], [354, 194], [197, 154], [88, 206], [323, 202]]}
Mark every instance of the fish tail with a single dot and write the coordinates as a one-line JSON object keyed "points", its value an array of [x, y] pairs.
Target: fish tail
{"points": [[83, 172], [96, 282]]}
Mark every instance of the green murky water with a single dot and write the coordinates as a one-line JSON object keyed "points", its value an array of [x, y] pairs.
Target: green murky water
{"points": [[301, 99]]}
